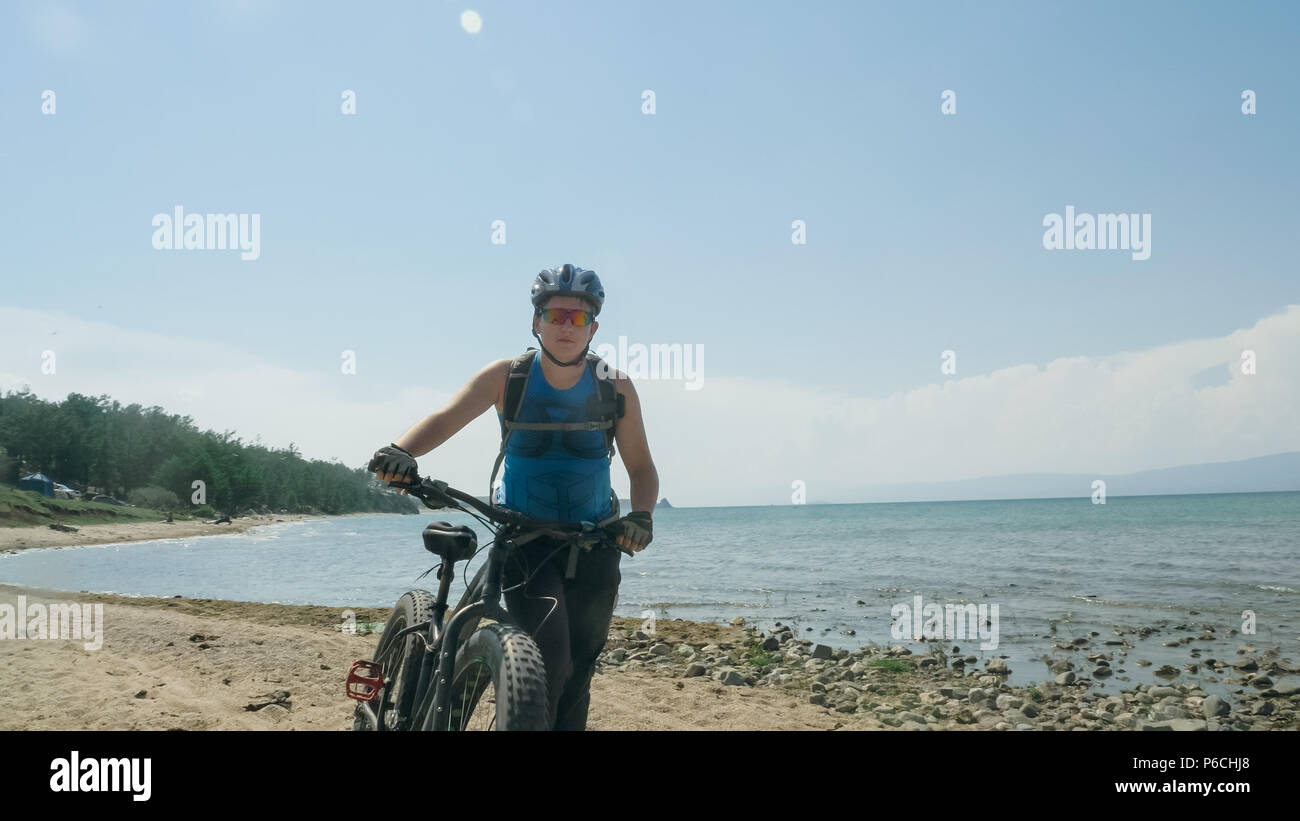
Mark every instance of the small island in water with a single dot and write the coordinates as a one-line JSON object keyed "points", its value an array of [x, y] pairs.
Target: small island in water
{"points": [[626, 504]]}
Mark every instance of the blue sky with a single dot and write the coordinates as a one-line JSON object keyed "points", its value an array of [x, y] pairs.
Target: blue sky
{"points": [[924, 231]]}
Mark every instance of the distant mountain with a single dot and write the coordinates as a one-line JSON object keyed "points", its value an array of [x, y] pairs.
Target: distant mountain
{"points": [[626, 504], [1263, 474]]}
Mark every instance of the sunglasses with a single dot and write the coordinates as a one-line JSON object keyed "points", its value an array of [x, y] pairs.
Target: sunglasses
{"points": [[557, 316]]}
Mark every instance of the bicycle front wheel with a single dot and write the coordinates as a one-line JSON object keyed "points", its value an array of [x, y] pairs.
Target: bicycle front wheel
{"points": [[400, 660], [499, 682]]}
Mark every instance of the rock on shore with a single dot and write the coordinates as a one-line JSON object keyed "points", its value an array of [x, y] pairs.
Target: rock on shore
{"points": [[904, 691]]}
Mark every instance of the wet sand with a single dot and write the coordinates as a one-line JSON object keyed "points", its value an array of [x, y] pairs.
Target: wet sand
{"points": [[13, 539]]}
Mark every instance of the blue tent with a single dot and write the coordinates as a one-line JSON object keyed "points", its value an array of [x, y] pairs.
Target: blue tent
{"points": [[38, 482]]}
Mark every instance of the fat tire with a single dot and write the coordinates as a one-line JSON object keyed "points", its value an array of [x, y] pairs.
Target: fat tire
{"points": [[414, 607], [511, 661]]}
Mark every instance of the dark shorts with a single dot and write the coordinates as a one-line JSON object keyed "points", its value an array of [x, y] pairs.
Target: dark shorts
{"points": [[569, 618]]}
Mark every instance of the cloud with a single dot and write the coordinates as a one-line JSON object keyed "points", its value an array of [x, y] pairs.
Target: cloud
{"points": [[735, 441], [742, 441], [325, 413]]}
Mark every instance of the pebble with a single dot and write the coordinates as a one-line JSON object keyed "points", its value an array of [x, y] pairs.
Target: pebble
{"points": [[732, 678], [1187, 724], [841, 681]]}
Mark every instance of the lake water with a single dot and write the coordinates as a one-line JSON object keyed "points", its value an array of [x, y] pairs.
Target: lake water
{"points": [[1055, 569]]}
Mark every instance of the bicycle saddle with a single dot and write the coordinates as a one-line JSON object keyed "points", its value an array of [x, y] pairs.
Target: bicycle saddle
{"points": [[453, 544]]}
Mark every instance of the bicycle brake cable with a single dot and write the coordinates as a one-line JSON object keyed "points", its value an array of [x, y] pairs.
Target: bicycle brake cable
{"points": [[437, 567]]}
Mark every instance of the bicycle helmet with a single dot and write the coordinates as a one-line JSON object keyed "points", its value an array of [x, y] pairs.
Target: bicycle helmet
{"points": [[568, 280]]}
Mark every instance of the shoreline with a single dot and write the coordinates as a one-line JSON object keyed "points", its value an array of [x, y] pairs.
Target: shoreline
{"points": [[178, 663], [28, 537]]}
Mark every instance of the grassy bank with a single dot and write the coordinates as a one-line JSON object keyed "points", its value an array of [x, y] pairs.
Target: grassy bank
{"points": [[26, 508]]}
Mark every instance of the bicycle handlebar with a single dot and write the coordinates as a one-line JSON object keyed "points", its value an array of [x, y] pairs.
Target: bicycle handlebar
{"points": [[437, 494]]}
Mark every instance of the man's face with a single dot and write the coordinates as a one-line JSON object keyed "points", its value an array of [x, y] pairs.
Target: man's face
{"points": [[565, 341]]}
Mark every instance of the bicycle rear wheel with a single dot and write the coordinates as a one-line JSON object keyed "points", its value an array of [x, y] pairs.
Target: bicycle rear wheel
{"points": [[499, 682], [400, 661]]}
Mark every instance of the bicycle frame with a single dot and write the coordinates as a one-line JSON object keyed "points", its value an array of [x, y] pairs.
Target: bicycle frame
{"points": [[481, 600]]}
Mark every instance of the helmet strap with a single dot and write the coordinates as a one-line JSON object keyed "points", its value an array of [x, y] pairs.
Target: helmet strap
{"points": [[581, 357]]}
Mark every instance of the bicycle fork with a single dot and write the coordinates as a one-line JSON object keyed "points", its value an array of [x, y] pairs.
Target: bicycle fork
{"points": [[442, 653]]}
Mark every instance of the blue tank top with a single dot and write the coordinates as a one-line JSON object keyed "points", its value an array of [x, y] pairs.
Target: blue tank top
{"points": [[557, 475]]}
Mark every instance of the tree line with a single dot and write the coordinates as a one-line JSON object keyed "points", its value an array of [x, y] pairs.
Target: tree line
{"points": [[87, 441]]}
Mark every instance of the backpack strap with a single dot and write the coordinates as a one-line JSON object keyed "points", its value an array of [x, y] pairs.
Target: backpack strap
{"points": [[516, 387], [610, 405]]}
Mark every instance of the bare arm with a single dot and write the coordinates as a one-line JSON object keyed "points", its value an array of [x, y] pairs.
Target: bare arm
{"points": [[479, 394], [631, 441]]}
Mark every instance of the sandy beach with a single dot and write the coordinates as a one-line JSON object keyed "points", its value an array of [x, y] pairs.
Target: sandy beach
{"points": [[22, 538], [201, 664]]}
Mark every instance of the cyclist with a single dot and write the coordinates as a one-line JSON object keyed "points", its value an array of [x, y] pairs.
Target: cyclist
{"points": [[556, 474]]}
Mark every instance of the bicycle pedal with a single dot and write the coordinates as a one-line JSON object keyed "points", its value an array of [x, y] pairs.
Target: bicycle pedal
{"points": [[365, 678]]}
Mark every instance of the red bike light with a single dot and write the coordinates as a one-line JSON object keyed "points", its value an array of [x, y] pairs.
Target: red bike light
{"points": [[365, 678]]}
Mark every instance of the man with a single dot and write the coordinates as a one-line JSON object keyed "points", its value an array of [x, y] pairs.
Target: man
{"points": [[557, 474]]}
